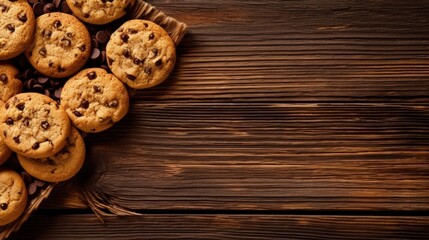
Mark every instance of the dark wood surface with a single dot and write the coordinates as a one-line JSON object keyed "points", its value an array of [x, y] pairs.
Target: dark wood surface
{"points": [[282, 120]]}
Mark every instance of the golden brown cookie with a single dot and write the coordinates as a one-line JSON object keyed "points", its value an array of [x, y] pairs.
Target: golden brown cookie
{"points": [[34, 125], [61, 45], [13, 196], [99, 11], [141, 54], [17, 27], [94, 100], [10, 85], [5, 152], [60, 167]]}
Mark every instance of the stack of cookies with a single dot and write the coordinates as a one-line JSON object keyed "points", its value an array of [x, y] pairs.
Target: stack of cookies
{"points": [[44, 129]]}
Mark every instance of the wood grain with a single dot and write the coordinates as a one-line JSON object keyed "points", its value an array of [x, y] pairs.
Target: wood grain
{"points": [[225, 227], [267, 156], [299, 51]]}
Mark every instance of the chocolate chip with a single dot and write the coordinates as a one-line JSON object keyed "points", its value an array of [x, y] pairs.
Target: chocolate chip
{"points": [[151, 36], [124, 37], [147, 70], [3, 78], [35, 146], [137, 61], [44, 125], [131, 77], [10, 27], [42, 52], [20, 106], [13, 0], [145, 24], [47, 33], [126, 53], [32, 189], [42, 80], [86, 15], [61, 69], [65, 42], [65, 7], [38, 9], [3, 206], [155, 52], [57, 3], [22, 17], [77, 114], [19, 116], [102, 37], [57, 24], [132, 31], [9, 121], [50, 64], [95, 53], [16, 139], [70, 34], [158, 62], [113, 103], [84, 104], [96, 89], [77, 4], [92, 75], [110, 61], [82, 48], [57, 92], [3, 7], [48, 8], [26, 122]]}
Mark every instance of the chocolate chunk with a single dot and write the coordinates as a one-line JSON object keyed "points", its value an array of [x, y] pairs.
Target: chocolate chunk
{"points": [[92, 75], [47, 33], [22, 17], [44, 125], [84, 104], [35, 146], [102, 37], [9, 121], [3, 206], [158, 62], [131, 77], [65, 7], [61, 69], [48, 8], [113, 103], [65, 42], [96, 89], [10, 27], [124, 37], [42, 52], [126, 53], [26, 122], [20, 106], [16, 139], [3, 7], [95, 53], [38, 9], [151, 36], [82, 47], [3, 78], [77, 114], [147, 70], [57, 24]]}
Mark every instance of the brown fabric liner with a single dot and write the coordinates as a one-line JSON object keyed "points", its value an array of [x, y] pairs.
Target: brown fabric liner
{"points": [[100, 202]]}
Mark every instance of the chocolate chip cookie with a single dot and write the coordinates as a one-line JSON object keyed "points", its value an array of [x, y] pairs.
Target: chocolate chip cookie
{"points": [[34, 125], [61, 45], [13, 196], [99, 11], [10, 85], [17, 27], [60, 167], [141, 54], [94, 100], [5, 152]]}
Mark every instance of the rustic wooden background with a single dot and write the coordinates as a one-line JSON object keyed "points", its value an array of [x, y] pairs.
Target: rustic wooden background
{"points": [[282, 120]]}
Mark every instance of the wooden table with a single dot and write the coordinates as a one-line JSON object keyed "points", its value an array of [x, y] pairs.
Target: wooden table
{"points": [[282, 120]]}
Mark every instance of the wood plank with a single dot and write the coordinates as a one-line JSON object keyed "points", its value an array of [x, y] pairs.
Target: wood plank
{"points": [[266, 156], [305, 51], [224, 227]]}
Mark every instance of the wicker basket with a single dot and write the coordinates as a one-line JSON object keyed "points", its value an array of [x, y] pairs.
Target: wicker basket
{"points": [[99, 202]]}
